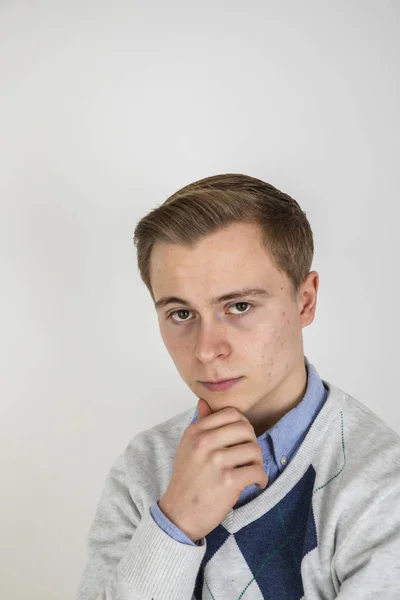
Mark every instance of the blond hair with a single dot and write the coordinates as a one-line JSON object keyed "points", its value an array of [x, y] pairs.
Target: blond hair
{"points": [[215, 202]]}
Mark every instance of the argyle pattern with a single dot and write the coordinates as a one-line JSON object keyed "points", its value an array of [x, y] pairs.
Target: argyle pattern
{"points": [[262, 560]]}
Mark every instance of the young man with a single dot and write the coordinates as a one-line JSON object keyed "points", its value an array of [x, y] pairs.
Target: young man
{"points": [[278, 485]]}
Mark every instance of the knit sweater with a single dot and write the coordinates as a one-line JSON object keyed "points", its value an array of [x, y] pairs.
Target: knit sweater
{"points": [[328, 527]]}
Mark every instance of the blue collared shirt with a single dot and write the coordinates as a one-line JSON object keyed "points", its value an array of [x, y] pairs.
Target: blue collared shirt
{"points": [[279, 444]]}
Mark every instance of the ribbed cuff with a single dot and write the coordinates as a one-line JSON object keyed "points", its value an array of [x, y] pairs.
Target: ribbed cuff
{"points": [[158, 567]]}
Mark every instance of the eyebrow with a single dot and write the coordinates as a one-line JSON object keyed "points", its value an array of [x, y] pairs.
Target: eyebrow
{"points": [[231, 296]]}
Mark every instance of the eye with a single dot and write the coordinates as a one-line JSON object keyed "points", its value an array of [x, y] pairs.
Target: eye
{"points": [[176, 312], [181, 311], [241, 312]]}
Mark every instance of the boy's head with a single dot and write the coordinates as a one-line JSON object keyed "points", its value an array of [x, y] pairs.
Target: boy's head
{"points": [[214, 237]]}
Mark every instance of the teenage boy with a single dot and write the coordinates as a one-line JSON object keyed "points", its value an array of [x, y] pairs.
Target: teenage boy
{"points": [[278, 484]]}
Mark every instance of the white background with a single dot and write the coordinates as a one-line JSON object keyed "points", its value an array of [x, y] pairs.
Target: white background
{"points": [[106, 108]]}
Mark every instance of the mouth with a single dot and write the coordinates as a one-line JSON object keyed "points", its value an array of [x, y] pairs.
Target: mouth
{"points": [[223, 385]]}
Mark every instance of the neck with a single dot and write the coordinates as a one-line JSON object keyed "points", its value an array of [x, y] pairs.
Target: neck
{"points": [[288, 394]]}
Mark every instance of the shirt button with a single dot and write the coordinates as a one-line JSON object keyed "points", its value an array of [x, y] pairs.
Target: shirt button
{"points": [[283, 460]]}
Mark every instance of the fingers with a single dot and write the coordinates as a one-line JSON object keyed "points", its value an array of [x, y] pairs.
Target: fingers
{"points": [[245, 454], [249, 475], [232, 434], [219, 418]]}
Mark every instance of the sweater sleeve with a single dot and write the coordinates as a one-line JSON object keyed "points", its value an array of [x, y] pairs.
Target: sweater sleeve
{"points": [[129, 557], [367, 563]]}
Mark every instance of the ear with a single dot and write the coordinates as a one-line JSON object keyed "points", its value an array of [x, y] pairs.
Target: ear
{"points": [[307, 298]]}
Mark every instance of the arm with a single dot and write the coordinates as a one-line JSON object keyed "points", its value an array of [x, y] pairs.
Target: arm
{"points": [[129, 556], [367, 563]]}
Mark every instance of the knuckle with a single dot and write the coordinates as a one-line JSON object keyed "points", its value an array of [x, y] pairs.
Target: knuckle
{"points": [[217, 458], [231, 412], [248, 427], [258, 450], [190, 431], [255, 452], [227, 478], [202, 440]]}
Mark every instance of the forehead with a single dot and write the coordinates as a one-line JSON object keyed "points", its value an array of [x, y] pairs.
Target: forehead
{"points": [[221, 261]]}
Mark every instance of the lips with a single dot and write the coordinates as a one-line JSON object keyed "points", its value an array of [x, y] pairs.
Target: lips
{"points": [[221, 380], [221, 385]]}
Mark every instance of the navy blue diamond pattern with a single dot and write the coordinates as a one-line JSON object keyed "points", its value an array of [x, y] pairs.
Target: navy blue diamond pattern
{"points": [[274, 545]]}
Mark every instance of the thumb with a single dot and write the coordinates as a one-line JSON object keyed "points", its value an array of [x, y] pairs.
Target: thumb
{"points": [[203, 408]]}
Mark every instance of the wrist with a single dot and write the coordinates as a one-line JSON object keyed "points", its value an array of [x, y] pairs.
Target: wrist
{"points": [[166, 510]]}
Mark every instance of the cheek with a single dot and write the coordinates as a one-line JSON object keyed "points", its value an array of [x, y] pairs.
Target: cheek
{"points": [[272, 338], [283, 331], [175, 344], [284, 342], [168, 339], [290, 326]]}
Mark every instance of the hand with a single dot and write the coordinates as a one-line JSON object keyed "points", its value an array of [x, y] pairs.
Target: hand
{"points": [[217, 457]]}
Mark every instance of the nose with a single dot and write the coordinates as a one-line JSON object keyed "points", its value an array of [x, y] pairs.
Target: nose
{"points": [[211, 342]]}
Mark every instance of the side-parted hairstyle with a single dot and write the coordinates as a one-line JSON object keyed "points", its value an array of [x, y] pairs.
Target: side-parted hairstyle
{"points": [[216, 202]]}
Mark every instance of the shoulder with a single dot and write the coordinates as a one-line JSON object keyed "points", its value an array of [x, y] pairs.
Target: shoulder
{"points": [[358, 508], [372, 433], [364, 427], [361, 455]]}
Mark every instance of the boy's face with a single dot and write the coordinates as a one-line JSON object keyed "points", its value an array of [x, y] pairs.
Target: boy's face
{"points": [[255, 337]]}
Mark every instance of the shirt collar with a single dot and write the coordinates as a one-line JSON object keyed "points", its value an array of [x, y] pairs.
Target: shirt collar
{"points": [[289, 431]]}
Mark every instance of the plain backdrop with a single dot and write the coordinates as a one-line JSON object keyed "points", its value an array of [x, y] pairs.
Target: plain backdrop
{"points": [[106, 108]]}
